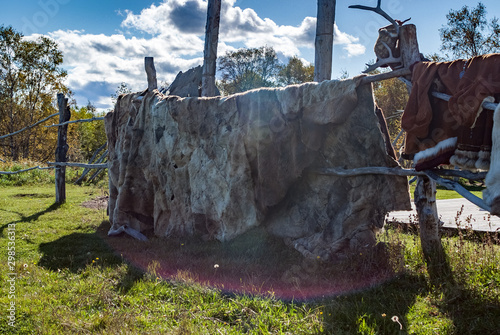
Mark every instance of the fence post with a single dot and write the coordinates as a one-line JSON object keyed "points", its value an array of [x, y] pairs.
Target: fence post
{"points": [[62, 148]]}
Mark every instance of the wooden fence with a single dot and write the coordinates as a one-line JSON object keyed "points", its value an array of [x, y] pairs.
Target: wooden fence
{"points": [[61, 163]]}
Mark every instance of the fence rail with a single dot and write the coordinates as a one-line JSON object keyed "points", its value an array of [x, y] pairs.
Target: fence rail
{"points": [[76, 121], [29, 127], [62, 147], [26, 170]]}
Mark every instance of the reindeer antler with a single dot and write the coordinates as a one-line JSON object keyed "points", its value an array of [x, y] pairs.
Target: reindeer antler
{"points": [[379, 11], [385, 61]]}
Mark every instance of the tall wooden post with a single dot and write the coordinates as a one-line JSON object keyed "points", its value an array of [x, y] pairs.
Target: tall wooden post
{"points": [[210, 52], [428, 220], [62, 148], [149, 65], [408, 42], [425, 192], [324, 40]]}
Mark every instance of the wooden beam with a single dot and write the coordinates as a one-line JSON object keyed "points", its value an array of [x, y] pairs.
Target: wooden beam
{"points": [[454, 186], [210, 52], [340, 172], [396, 171], [384, 76], [324, 40], [486, 104], [446, 97], [149, 65], [62, 148], [83, 165], [87, 170]]}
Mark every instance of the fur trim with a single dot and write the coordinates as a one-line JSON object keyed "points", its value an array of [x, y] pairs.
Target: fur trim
{"points": [[483, 154], [483, 161], [465, 159], [492, 179], [441, 147]]}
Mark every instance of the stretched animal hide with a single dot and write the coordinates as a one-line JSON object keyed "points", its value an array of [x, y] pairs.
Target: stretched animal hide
{"points": [[431, 122], [216, 167]]}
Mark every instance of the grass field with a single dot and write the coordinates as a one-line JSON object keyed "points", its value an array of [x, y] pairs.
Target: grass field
{"points": [[70, 278]]}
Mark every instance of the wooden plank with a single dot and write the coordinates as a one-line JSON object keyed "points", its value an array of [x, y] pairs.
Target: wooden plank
{"points": [[210, 51], [324, 40], [62, 148]]}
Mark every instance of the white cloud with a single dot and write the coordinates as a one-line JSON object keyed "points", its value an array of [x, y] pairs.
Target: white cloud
{"points": [[173, 33], [354, 50]]}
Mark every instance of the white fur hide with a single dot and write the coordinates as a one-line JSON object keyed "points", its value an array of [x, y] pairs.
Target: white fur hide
{"points": [[492, 180], [427, 154]]}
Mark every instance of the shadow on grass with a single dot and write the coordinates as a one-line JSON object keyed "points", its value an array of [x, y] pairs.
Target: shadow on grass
{"points": [[30, 218], [373, 308], [470, 313], [76, 251]]}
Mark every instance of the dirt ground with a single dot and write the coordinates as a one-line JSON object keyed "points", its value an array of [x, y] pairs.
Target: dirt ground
{"points": [[100, 202]]}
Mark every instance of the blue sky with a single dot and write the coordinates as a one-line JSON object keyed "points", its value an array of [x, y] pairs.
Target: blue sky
{"points": [[105, 42]]}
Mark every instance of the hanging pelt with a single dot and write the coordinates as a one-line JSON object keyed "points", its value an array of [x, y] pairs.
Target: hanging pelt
{"points": [[491, 195]]}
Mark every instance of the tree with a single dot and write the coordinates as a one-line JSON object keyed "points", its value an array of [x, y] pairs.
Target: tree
{"points": [[30, 78], [122, 89], [391, 96], [246, 69], [468, 33], [295, 72]]}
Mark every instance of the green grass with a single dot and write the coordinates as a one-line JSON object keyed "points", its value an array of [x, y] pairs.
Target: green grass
{"points": [[38, 176], [70, 281], [443, 193]]}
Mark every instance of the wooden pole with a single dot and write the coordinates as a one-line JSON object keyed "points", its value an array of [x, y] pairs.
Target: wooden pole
{"points": [[210, 52], [62, 148], [409, 46], [149, 64], [324, 40], [425, 192], [425, 203]]}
